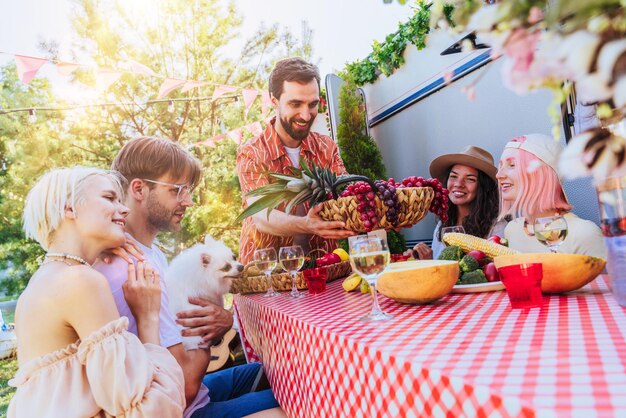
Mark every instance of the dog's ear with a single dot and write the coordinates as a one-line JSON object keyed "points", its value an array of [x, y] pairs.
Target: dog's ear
{"points": [[205, 259]]}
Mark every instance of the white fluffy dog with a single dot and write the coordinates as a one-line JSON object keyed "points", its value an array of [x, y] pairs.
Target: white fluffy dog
{"points": [[204, 271]]}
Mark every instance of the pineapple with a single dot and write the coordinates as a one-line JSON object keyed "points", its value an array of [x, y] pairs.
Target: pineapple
{"points": [[311, 185]]}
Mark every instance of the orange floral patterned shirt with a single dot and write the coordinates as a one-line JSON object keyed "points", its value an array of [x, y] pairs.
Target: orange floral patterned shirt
{"points": [[264, 154]]}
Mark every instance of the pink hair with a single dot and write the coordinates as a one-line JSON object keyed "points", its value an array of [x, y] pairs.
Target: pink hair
{"points": [[540, 189]]}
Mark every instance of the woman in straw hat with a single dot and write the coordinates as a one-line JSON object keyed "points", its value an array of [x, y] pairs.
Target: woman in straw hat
{"points": [[470, 177], [69, 333], [530, 188]]}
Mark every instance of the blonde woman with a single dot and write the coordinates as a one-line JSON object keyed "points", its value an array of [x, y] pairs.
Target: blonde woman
{"points": [[76, 358]]}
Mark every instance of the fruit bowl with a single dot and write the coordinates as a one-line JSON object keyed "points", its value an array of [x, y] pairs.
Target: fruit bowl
{"points": [[414, 203], [419, 281], [561, 272]]}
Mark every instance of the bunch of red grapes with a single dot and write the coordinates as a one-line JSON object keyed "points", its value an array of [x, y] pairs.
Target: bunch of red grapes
{"points": [[386, 190], [439, 205], [366, 206]]}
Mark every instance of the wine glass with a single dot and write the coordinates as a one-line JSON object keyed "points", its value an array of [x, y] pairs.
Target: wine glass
{"points": [[265, 260], [291, 260], [551, 231], [369, 257]]}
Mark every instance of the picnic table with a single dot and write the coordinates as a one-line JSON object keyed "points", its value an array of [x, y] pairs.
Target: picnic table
{"points": [[464, 355]]}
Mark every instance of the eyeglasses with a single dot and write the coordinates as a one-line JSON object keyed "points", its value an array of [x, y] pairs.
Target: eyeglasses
{"points": [[184, 190]]}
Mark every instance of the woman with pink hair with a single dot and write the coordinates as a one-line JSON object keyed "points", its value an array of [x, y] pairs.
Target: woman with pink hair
{"points": [[530, 188]]}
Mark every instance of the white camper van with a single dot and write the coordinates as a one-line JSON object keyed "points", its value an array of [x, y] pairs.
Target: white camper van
{"points": [[415, 116]]}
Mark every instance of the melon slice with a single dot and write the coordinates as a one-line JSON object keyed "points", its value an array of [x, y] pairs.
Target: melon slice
{"points": [[420, 281], [561, 272]]}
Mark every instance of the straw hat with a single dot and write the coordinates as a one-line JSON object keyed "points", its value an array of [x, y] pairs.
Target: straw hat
{"points": [[471, 156]]}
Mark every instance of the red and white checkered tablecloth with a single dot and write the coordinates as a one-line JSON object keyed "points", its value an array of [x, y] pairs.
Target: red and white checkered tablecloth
{"points": [[465, 355]]}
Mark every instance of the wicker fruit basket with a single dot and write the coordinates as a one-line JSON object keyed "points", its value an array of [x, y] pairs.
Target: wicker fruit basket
{"points": [[414, 204], [253, 280]]}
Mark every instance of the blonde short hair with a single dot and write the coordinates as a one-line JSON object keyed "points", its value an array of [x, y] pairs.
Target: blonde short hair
{"points": [[57, 190]]}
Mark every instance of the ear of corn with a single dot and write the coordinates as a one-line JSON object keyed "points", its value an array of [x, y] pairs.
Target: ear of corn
{"points": [[470, 242]]}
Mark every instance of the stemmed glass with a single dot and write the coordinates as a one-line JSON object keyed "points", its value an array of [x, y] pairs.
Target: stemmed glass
{"points": [[551, 231], [369, 257], [291, 260], [265, 260]]}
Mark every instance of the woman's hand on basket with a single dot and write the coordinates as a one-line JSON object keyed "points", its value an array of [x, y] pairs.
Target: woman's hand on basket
{"points": [[315, 225]]}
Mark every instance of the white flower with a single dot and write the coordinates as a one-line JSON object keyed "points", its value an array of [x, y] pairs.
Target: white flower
{"points": [[484, 19], [619, 92], [596, 152], [593, 88], [577, 51], [608, 56]]}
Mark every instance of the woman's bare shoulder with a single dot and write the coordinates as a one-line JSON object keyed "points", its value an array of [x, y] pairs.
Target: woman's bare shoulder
{"points": [[64, 286]]}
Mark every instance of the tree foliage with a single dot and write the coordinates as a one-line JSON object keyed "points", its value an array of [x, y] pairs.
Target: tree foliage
{"points": [[359, 151], [175, 38]]}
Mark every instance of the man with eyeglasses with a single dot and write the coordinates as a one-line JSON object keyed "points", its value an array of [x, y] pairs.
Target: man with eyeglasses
{"points": [[161, 177]]}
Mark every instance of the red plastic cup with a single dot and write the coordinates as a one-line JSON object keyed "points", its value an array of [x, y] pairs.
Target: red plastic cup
{"points": [[523, 284], [315, 279]]}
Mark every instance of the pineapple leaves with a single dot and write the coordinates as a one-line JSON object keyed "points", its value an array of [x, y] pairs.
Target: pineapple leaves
{"points": [[268, 202]]}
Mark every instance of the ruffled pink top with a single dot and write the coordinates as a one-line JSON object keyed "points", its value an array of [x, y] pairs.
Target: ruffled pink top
{"points": [[109, 374]]}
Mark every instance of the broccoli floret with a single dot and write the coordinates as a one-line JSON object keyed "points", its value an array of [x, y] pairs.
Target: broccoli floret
{"points": [[473, 277], [452, 253], [468, 263]]}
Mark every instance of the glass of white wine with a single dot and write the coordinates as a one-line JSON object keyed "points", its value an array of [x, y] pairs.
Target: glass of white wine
{"points": [[551, 231], [291, 260], [369, 257], [265, 260]]}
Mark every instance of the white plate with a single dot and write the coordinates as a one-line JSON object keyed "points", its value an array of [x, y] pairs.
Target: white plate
{"points": [[478, 287]]}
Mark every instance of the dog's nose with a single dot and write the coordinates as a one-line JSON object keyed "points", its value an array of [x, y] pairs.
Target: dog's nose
{"points": [[240, 268]]}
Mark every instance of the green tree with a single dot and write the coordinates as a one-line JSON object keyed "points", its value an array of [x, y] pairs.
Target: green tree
{"points": [[359, 151], [25, 151], [175, 38]]}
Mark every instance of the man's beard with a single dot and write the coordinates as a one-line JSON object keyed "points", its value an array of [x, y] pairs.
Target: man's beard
{"points": [[297, 135], [160, 217]]}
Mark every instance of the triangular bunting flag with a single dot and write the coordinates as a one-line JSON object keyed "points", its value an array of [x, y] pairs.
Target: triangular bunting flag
{"points": [[105, 78], [255, 128], [266, 102], [27, 67], [248, 98], [139, 68], [192, 84], [236, 135], [221, 90], [211, 141], [168, 85], [66, 68]]}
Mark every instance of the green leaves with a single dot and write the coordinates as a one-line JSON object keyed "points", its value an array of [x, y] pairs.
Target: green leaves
{"points": [[388, 56]]}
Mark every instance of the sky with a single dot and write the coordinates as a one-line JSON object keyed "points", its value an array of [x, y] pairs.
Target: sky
{"points": [[343, 30]]}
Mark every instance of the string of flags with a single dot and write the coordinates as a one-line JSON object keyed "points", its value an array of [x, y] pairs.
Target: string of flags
{"points": [[28, 66]]}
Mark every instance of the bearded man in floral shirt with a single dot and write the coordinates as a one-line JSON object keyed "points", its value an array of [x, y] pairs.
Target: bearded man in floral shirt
{"points": [[295, 94]]}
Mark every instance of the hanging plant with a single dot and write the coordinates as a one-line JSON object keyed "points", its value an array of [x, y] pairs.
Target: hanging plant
{"points": [[388, 56]]}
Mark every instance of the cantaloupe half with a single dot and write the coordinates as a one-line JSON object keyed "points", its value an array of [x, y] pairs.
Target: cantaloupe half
{"points": [[561, 272], [417, 282]]}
